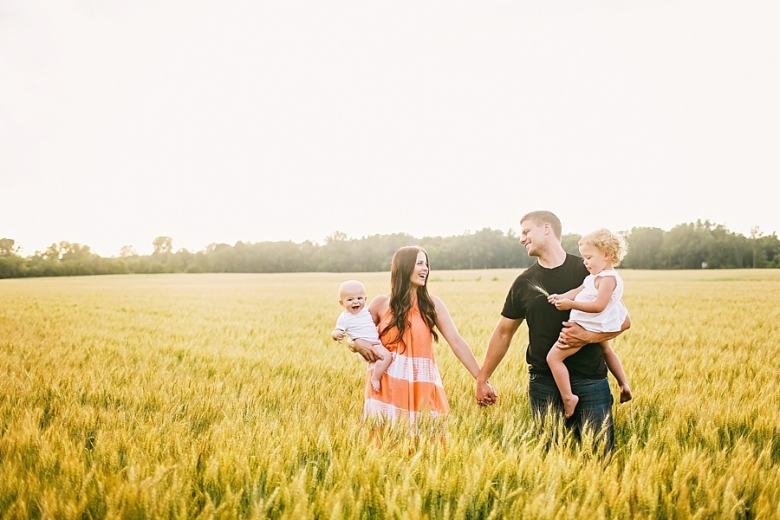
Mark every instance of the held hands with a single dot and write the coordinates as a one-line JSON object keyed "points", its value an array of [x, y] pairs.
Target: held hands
{"points": [[485, 394]]}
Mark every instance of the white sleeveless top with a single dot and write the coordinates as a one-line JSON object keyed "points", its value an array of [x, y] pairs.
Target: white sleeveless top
{"points": [[612, 317]]}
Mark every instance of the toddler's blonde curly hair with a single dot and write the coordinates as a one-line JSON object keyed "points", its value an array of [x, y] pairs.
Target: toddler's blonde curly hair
{"points": [[614, 246]]}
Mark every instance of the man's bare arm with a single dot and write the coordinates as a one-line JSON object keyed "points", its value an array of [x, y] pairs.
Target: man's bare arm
{"points": [[498, 346], [574, 336]]}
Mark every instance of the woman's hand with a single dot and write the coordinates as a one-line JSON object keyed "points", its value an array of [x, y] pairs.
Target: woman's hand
{"points": [[486, 395], [366, 350]]}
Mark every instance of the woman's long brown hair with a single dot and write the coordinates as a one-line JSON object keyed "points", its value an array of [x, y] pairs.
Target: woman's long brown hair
{"points": [[402, 267]]}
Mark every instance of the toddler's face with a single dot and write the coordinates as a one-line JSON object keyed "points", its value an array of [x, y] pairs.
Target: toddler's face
{"points": [[594, 259], [353, 302]]}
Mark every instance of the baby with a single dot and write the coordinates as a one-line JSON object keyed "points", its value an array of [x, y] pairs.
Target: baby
{"points": [[357, 323], [595, 305]]}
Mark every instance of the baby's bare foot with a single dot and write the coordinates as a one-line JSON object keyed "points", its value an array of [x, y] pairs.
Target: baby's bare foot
{"points": [[375, 384], [569, 404]]}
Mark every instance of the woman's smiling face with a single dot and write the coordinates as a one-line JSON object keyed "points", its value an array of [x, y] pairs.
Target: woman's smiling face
{"points": [[420, 271]]}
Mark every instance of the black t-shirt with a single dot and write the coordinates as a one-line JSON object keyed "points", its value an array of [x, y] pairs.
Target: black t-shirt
{"points": [[545, 321]]}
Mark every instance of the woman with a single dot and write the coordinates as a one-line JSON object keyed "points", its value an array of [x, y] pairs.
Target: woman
{"points": [[407, 320]]}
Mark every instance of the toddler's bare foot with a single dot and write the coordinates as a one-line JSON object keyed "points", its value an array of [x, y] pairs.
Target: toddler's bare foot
{"points": [[569, 404], [375, 384], [625, 393]]}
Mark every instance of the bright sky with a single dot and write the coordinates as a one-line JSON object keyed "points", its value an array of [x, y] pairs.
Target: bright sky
{"points": [[121, 121]]}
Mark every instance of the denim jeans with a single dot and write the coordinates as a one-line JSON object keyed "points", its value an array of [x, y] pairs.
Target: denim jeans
{"points": [[594, 409]]}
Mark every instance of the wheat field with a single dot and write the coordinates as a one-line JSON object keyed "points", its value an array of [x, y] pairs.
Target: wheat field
{"points": [[223, 396]]}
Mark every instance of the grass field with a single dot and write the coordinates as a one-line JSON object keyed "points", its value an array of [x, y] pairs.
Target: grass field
{"points": [[222, 396]]}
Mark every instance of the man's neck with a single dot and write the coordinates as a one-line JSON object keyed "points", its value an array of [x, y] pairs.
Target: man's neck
{"points": [[552, 258]]}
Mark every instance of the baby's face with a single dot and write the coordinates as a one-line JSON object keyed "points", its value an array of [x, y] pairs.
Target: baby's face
{"points": [[353, 302]]}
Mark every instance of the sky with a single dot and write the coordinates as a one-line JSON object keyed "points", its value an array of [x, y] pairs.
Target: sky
{"points": [[218, 122]]}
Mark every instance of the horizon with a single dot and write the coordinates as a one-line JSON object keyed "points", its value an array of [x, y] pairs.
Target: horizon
{"points": [[148, 250]]}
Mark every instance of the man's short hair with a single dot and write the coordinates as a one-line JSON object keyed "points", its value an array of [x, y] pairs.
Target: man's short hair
{"points": [[544, 217]]}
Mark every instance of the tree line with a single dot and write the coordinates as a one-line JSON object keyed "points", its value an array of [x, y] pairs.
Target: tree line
{"points": [[686, 246]]}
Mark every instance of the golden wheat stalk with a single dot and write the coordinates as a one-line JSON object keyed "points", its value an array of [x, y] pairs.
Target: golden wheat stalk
{"points": [[536, 286]]}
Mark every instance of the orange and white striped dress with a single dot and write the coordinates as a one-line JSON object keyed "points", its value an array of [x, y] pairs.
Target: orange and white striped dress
{"points": [[411, 384]]}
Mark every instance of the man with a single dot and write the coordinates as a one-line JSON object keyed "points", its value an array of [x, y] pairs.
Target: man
{"points": [[555, 272]]}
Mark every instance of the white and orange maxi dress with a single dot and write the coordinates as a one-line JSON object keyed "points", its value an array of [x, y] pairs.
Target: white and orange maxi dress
{"points": [[412, 383]]}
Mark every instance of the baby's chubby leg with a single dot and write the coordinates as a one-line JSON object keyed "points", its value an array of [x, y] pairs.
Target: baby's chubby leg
{"points": [[380, 365]]}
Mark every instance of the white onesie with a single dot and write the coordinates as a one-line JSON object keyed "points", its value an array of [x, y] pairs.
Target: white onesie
{"points": [[357, 326]]}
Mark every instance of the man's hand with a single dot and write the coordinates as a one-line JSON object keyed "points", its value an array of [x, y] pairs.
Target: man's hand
{"points": [[574, 336], [365, 349], [486, 395]]}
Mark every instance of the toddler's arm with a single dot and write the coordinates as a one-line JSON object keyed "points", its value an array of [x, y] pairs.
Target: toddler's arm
{"points": [[337, 334], [563, 301], [606, 287]]}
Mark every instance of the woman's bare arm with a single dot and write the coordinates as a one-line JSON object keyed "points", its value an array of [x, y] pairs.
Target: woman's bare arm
{"points": [[450, 332]]}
